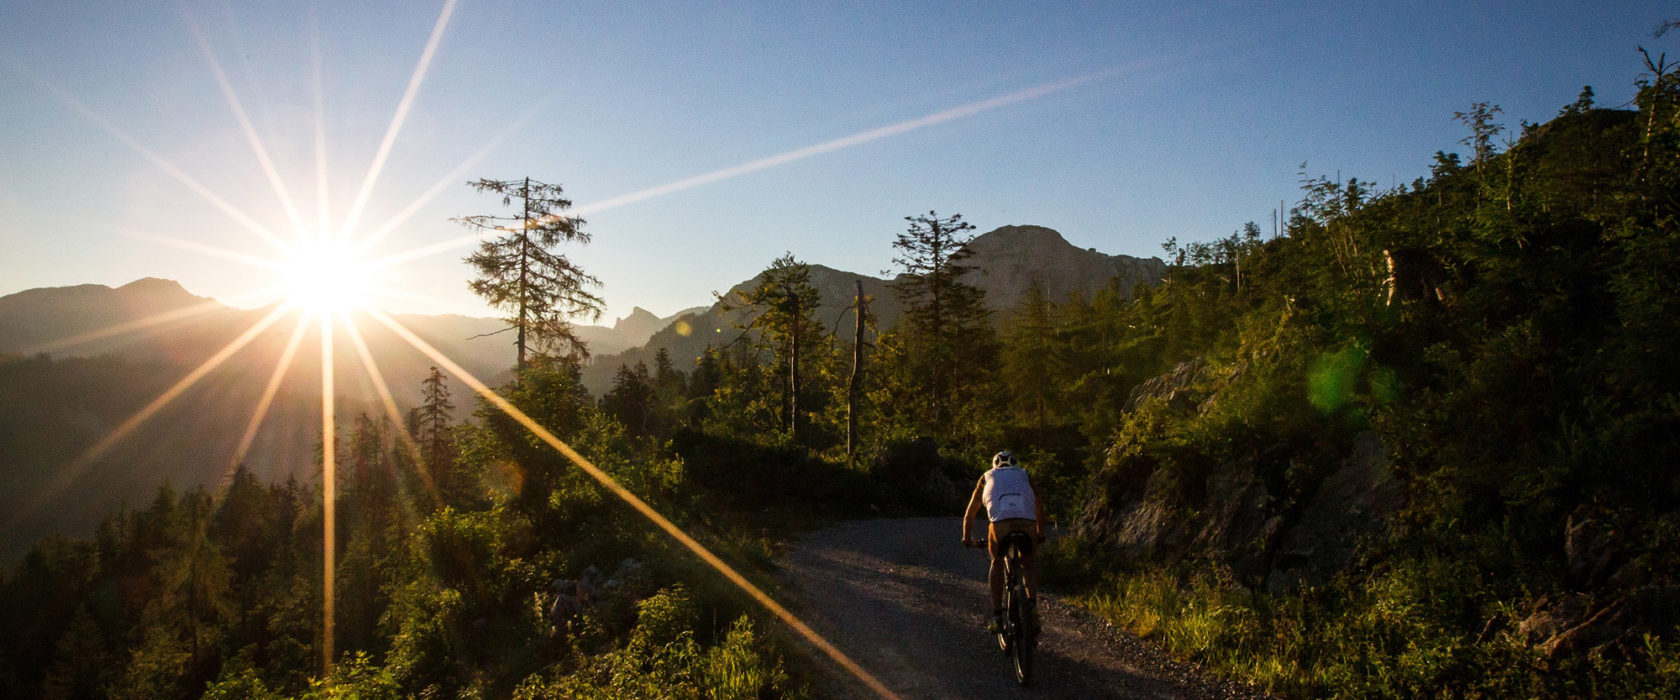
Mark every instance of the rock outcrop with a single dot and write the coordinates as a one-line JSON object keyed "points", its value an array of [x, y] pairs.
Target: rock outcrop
{"points": [[1233, 513]]}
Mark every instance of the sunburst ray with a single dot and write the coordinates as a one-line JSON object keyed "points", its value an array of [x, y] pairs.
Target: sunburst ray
{"points": [[401, 115], [322, 211], [452, 178], [269, 391], [329, 493], [159, 161], [391, 410], [787, 157], [639, 505], [201, 248], [68, 474], [140, 324], [245, 125]]}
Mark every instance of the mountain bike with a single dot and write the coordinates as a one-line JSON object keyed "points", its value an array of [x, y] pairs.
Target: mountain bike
{"points": [[1018, 636]]}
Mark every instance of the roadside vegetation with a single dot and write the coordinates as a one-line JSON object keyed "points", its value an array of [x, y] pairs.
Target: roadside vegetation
{"points": [[1495, 349]]}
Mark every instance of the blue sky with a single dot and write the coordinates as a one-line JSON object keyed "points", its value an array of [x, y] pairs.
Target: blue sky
{"points": [[1180, 120]]}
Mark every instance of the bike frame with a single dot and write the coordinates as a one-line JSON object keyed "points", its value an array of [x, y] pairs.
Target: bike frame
{"points": [[1016, 638]]}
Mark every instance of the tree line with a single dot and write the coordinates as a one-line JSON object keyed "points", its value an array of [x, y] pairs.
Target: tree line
{"points": [[1505, 327]]}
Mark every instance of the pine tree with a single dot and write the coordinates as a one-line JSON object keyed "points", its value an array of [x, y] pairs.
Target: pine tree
{"points": [[854, 383], [947, 316], [518, 273], [630, 399], [1029, 355], [435, 413], [786, 304]]}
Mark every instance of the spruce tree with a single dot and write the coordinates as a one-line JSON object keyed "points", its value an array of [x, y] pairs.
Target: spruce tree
{"points": [[786, 305], [519, 274], [435, 414], [947, 317]]}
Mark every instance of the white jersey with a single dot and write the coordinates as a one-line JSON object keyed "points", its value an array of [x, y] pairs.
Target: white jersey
{"points": [[1008, 494]]}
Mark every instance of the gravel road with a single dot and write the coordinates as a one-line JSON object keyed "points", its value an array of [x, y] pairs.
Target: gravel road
{"points": [[905, 600]]}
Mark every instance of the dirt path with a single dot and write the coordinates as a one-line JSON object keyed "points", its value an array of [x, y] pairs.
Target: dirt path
{"points": [[906, 601]]}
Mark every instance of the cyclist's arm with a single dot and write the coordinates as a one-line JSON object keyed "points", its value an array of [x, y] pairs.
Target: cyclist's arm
{"points": [[974, 505]]}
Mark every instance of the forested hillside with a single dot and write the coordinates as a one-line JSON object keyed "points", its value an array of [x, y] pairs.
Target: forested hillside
{"points": [[1423, 443]]}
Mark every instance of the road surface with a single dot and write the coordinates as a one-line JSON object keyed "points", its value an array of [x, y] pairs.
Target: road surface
{"points": [[906, 601]]}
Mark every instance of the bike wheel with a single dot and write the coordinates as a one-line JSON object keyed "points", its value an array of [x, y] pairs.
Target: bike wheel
{"points": [[1022, 647], [1003, 633]]}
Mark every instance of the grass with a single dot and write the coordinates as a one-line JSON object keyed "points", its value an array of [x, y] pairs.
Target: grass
{"points": [[1385, 635]]}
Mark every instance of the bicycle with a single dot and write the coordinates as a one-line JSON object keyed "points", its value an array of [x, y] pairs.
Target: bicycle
{"points": [[1018, 636]]}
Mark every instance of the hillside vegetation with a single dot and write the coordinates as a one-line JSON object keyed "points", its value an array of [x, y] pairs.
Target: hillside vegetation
{"points": [[1424, 444], [1421, 444]]}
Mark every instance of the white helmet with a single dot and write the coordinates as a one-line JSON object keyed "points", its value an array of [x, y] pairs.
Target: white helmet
{"points": [[1005, 459]]}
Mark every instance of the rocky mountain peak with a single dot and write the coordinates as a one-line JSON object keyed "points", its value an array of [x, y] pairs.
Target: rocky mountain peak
{"points": [[640, 324]]}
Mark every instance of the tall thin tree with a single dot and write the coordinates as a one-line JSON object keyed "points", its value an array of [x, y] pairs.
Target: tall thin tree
{"points": [[519, 274], [854, 385], [436, 411], [940, 306], [785, 301]]}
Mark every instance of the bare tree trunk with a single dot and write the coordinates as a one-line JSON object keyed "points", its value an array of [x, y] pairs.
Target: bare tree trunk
{"points": [[793, 374], [524, 254], [855, 385]]}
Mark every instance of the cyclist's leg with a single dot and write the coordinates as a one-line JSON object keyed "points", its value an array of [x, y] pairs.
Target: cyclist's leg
{"points": [[994, 577]]}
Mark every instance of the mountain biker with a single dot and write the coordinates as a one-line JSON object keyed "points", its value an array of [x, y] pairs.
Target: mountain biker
{"points": [[1012, 506]]}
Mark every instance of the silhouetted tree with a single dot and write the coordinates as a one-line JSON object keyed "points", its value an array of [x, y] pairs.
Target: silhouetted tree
{"points": [[518, 273], [436, 410], [786, 304], [630, 399], [944, 313]]}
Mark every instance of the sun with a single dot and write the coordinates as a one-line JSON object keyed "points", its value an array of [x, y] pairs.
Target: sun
{"points": [[325, 275]]}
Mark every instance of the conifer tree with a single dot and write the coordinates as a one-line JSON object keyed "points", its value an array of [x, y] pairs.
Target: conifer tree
{"points": [[1029, 355], [519, 274], [435, 413], [631, 398], [947, 316], [786, 304]]}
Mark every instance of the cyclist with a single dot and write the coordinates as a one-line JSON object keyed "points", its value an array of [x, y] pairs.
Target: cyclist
{"points": [[1012, 506]]}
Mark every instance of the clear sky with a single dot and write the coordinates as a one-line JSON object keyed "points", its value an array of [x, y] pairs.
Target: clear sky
{"points": [[1117, 123]]}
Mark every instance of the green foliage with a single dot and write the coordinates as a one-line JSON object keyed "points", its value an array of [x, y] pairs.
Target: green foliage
{"points": [[1494, 330], [662, 660], [1506, 329], [517, 273]]}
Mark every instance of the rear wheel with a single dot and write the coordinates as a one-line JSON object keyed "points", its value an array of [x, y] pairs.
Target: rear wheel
{"points": [[1022, 649], [1003, 632]]}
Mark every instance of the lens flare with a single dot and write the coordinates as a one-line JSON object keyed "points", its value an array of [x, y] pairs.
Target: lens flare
{"points": [[641, 506]]}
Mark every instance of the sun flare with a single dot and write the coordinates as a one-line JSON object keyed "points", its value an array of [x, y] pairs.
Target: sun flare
{"points": [[327, 276]]}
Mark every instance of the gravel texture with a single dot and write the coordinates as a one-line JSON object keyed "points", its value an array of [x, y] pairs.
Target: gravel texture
{"points": [[906, 601]]}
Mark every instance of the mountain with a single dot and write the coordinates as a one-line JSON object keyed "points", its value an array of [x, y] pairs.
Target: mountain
{"points": [[69, 320], [1007, 262], [76, 363]]}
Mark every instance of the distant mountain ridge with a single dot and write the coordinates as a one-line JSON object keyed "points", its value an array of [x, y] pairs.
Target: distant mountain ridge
{"points": [[1008, 260], [110, 351], [53, 409]]}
